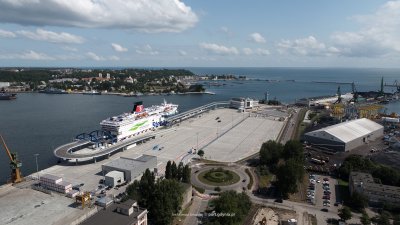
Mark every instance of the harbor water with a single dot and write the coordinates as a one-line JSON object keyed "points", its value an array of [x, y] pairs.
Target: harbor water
{"points": [[37, 123]]}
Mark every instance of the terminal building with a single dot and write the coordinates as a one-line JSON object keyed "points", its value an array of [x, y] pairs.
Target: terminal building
{"points": [[243, 103], [345, 136], [376, 193], [127, 169]]}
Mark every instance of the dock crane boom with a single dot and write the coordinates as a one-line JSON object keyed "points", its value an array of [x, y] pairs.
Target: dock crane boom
{"points": [[15, 164]]}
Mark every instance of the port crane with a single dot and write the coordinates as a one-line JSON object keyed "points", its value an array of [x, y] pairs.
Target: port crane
{"points": [[15, 164]]}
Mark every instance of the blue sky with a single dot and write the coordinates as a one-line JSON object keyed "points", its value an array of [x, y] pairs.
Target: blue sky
{"points": [[192, 33]]}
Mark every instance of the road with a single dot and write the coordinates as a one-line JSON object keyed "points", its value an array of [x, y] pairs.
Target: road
{"points": [[291, 126]]}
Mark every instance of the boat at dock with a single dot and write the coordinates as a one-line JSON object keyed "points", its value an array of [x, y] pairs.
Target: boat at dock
{"points": [[53, 91], [92, 92], [7, 96]]}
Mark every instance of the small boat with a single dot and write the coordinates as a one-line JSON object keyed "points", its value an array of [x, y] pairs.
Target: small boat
{"points": [[7, 96], [92, 92]]}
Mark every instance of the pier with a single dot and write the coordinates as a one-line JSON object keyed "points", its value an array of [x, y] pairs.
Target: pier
{"points": [[79, 150]]}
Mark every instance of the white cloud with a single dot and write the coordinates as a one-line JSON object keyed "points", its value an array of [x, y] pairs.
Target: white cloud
{"points": [[143, 15], [50, 36], [247, 51], [147, 50], [32, 55], [94, 56], [182, 53], [219, 49], [257, 38], [261, 51], [258, 51], [7, 34], [69, 48], [378, 36], [118, 48], [309, 46], [114, 58]]}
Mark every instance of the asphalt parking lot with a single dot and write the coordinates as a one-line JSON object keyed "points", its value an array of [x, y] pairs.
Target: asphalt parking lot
{"points": [[321, 191]]}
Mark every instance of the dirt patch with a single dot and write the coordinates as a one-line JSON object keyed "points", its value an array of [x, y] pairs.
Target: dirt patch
{"points": [[301, 195]]}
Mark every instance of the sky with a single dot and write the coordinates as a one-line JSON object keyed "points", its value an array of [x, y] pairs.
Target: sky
{"points": [[200, 33]]}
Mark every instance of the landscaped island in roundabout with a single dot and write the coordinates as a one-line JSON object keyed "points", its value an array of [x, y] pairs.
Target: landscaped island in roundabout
{"points": [[218, 177]]}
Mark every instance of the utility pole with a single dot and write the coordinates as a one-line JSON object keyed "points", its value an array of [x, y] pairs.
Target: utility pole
{"points": [[197, 146], [37, 166]]}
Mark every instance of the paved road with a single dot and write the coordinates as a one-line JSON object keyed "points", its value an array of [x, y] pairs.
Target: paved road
{"points": [[291, 126]]}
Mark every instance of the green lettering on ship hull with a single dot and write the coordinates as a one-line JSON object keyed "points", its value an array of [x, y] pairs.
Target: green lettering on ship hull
{"points": [[137, 126]]}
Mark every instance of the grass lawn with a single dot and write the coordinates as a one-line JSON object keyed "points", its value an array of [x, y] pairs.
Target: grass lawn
{"points": [[265, 180], [234, 178], [343, 192]]}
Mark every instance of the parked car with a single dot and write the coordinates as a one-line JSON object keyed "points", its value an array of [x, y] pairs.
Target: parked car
{"points": [[324, 210], [278, 200]]}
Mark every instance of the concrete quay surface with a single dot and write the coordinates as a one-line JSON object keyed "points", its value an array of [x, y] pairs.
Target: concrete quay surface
{"points": [[225, 134]]}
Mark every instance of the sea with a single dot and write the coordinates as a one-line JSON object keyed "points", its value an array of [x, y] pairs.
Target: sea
{"points": [[36, 123]]}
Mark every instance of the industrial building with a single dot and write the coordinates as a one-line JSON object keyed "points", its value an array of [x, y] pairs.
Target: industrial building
{"points": [[345, 136], [243, 103], [131, 168], [113, 178], [376, 193]]}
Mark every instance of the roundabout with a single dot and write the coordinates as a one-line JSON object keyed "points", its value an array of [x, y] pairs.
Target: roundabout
{"points": [[218, 177], [225, 177]]}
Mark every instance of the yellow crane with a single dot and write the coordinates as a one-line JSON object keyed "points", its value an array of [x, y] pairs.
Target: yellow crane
{"points": [[15, 164]]}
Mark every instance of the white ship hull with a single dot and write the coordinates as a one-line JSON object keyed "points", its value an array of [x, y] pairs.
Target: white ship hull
{"points": [[132, 124]]}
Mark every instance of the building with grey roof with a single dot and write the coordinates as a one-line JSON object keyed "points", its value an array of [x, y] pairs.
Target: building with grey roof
{"points": [[345, 136], [376, 193], [126, 213], [132, 168]]}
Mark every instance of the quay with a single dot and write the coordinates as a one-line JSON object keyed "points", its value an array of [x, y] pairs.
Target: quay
{"points": [[232, 137]]}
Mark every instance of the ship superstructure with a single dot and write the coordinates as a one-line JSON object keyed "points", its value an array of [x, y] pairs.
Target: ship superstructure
{"points": [[139, 120]]}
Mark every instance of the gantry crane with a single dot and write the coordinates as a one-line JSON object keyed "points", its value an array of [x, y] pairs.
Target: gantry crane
{"points": [[15, 164]]}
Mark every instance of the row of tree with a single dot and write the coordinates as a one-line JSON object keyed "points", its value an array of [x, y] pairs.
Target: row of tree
{"points": [[385, 174], [180, 173], [229, 209], [162, 197], [382, 219], [286, 161]]}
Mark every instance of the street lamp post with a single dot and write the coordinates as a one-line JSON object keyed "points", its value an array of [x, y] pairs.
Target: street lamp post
{"points": [[37, 165], [197, 146]]}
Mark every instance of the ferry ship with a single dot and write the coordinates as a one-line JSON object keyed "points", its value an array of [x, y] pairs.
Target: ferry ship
{"points": [[139, 120]]}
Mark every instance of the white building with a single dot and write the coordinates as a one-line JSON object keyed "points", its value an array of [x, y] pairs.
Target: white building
{"points": [[345, 136], [243, 103], [114, 178], [4, 84]]}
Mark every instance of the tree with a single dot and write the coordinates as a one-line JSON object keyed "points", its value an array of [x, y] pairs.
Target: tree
{"points": [[234, 206], [345, 213], [146, 186], [168, 171], [270, 153], [187, 171], [365, 220], [200, 153], [293, 150], [382, 219], [287, 176], [359, 201], [396, 220], [174, 171], [180, 172]]}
